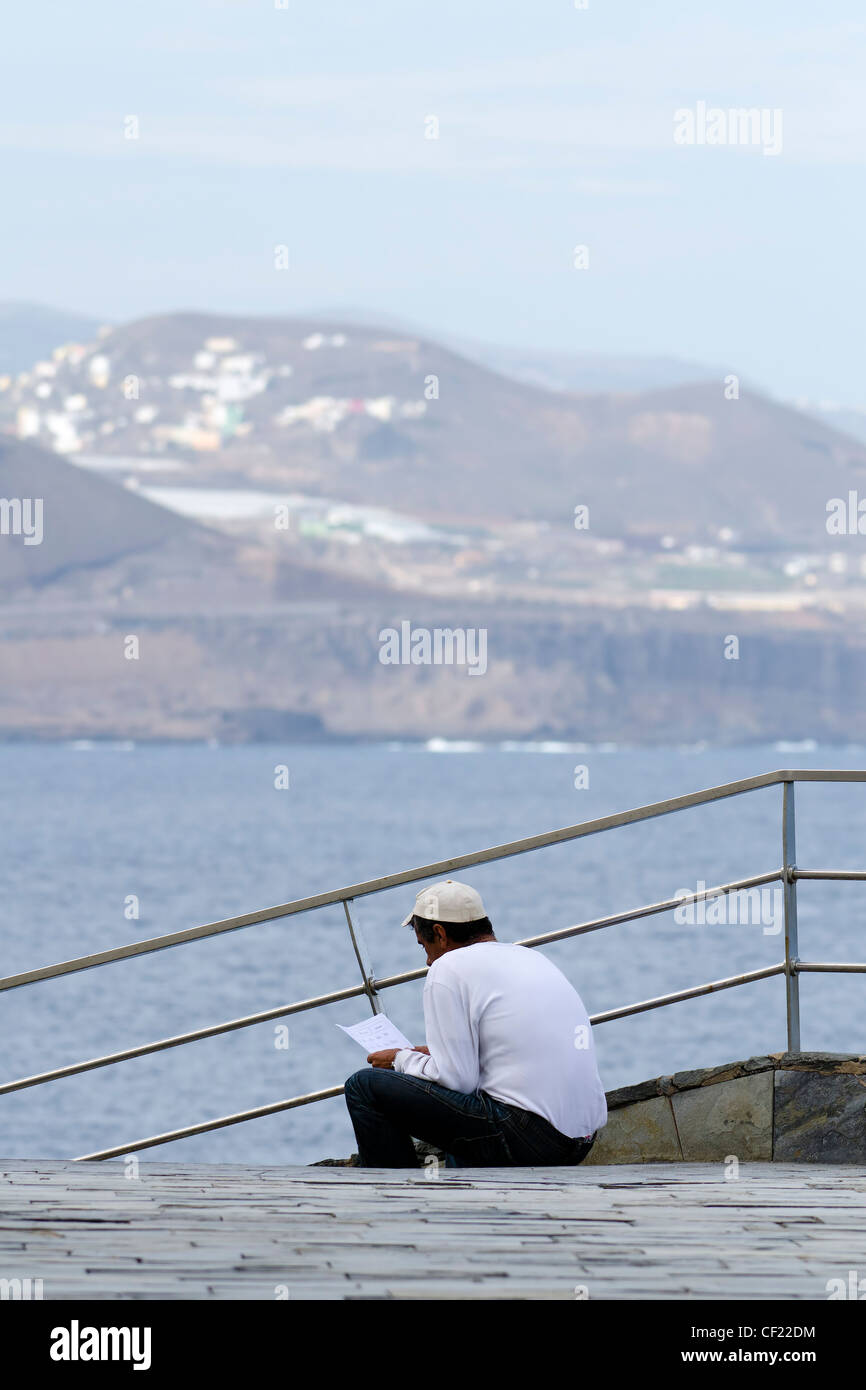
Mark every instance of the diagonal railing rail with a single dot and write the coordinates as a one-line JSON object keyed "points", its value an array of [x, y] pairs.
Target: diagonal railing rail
{"points": [[791, 967]]}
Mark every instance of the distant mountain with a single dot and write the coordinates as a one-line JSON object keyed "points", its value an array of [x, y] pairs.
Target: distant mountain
{"points": [[376, 417], [85, 521], [552, 370], [70, 535], [244, 637], [30, 331]]}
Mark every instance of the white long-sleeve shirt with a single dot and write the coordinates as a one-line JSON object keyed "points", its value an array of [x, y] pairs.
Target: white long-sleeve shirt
{"points": [[503, 1019]]}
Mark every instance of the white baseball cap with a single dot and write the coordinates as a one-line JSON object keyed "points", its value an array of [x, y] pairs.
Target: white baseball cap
{"points": [[448, 901]]}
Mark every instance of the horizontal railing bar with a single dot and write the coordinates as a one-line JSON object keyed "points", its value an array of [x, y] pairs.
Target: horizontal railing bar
{"points": [[222, 1123], [830, 967], [181, 1039], [461, 861], [693, 993], [856, 875], [389, 981], [595, 924], [651, 909], [248, 1021], [816, 774], [381, 885]]}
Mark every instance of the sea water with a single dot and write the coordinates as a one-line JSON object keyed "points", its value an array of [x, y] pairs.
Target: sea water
{"points": [[106, 844]]}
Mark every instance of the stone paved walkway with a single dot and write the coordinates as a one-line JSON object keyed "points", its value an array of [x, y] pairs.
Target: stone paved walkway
{"points": [[661, 1232]]}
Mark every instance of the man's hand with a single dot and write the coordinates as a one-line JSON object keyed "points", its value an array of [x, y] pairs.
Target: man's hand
{"points": [[421, 1049], [384, 1058]]}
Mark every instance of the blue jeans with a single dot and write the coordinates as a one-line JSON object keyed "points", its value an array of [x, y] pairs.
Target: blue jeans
{"points": [[388, 1110]]}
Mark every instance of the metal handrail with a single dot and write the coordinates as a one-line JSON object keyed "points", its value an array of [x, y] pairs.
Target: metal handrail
{"points": [[381, 885], [214, 1030], [791, 967]]}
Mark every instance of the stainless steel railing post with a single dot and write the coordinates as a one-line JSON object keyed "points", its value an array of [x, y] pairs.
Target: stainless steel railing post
{"points": [[789, 879], [363, 962]]}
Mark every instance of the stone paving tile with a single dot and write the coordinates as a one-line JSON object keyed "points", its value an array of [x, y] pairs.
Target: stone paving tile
{"points": [[633, 1231]]}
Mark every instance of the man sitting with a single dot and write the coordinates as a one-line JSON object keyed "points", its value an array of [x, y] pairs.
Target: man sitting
{"points": [[508, 1075]]}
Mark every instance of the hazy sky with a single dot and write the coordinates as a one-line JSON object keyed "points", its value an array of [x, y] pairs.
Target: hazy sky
{"points": [[305, 127]]}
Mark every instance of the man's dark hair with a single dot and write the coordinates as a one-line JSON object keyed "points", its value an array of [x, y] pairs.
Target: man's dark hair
{"points": [[455, 931]]}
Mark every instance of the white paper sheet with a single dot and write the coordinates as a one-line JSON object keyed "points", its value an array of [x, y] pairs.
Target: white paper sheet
{"points": [[376, 1033]]}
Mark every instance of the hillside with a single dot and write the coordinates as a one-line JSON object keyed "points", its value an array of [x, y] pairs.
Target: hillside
{"points": [[97, 543], [584, 371], [353, 413], [312, 672], [545, 367], [86, 522], [250, 631]]}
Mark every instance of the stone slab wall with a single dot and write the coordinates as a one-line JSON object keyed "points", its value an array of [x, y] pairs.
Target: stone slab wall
{"points": [[807, 1107]]}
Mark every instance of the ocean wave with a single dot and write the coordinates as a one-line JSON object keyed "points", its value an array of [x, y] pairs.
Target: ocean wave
{"points": [[456, 745], [509, 745]]}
